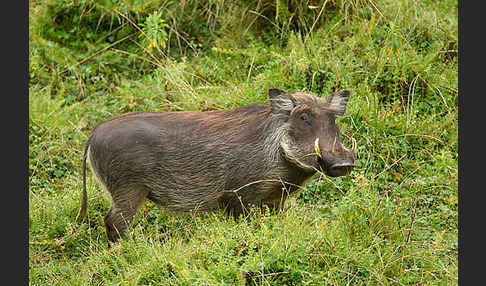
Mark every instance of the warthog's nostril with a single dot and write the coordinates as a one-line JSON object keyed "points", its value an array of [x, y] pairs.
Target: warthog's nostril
{"points": [[341, 169], [343, 165]]}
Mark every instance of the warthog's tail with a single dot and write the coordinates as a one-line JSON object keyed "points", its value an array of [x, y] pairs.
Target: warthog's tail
{"points": [[84, 203]]}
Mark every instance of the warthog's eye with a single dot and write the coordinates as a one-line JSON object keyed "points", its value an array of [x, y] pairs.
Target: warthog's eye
{"points": [[304, 117]]}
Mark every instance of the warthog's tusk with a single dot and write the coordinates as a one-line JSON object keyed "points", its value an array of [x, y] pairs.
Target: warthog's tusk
{"points": [[316, 148], [353, 144]]}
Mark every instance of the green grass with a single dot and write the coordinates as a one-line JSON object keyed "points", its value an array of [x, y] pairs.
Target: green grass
{"points": [[392, 221]]}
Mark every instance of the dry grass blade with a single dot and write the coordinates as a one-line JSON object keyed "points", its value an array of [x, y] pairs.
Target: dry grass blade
{"points": [[315, 21], [99, 52], [143, 33], [389, 167]]}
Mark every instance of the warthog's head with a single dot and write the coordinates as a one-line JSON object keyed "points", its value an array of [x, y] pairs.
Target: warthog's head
{"points": [[309, 136]]}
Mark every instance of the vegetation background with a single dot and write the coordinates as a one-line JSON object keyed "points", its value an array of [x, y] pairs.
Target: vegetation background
{"points": [[392, 221]]}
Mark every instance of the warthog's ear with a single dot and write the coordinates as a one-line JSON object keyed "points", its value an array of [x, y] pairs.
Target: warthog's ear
{"points": [[338, 101], [281, 101]]}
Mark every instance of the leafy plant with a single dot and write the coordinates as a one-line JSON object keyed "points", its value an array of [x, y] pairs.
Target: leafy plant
{"points": [[153, 33]]}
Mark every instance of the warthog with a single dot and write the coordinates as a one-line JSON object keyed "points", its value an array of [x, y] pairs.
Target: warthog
{"points": [[255, 155]]}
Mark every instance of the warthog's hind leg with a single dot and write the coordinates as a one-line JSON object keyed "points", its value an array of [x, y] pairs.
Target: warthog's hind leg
{"points": [[126, 203]]}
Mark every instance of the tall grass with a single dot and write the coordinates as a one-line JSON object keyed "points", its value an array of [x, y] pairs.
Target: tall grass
{"points": [[392, 221]]}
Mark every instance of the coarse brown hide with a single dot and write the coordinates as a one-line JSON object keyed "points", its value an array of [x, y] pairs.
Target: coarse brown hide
{"points": [[231, 159]]}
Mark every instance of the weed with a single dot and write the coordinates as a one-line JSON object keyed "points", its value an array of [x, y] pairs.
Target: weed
{"points": [[393, 220]]}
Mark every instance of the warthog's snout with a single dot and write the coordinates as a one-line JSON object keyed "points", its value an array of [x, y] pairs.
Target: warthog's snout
{"points": [[336, 166]]}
